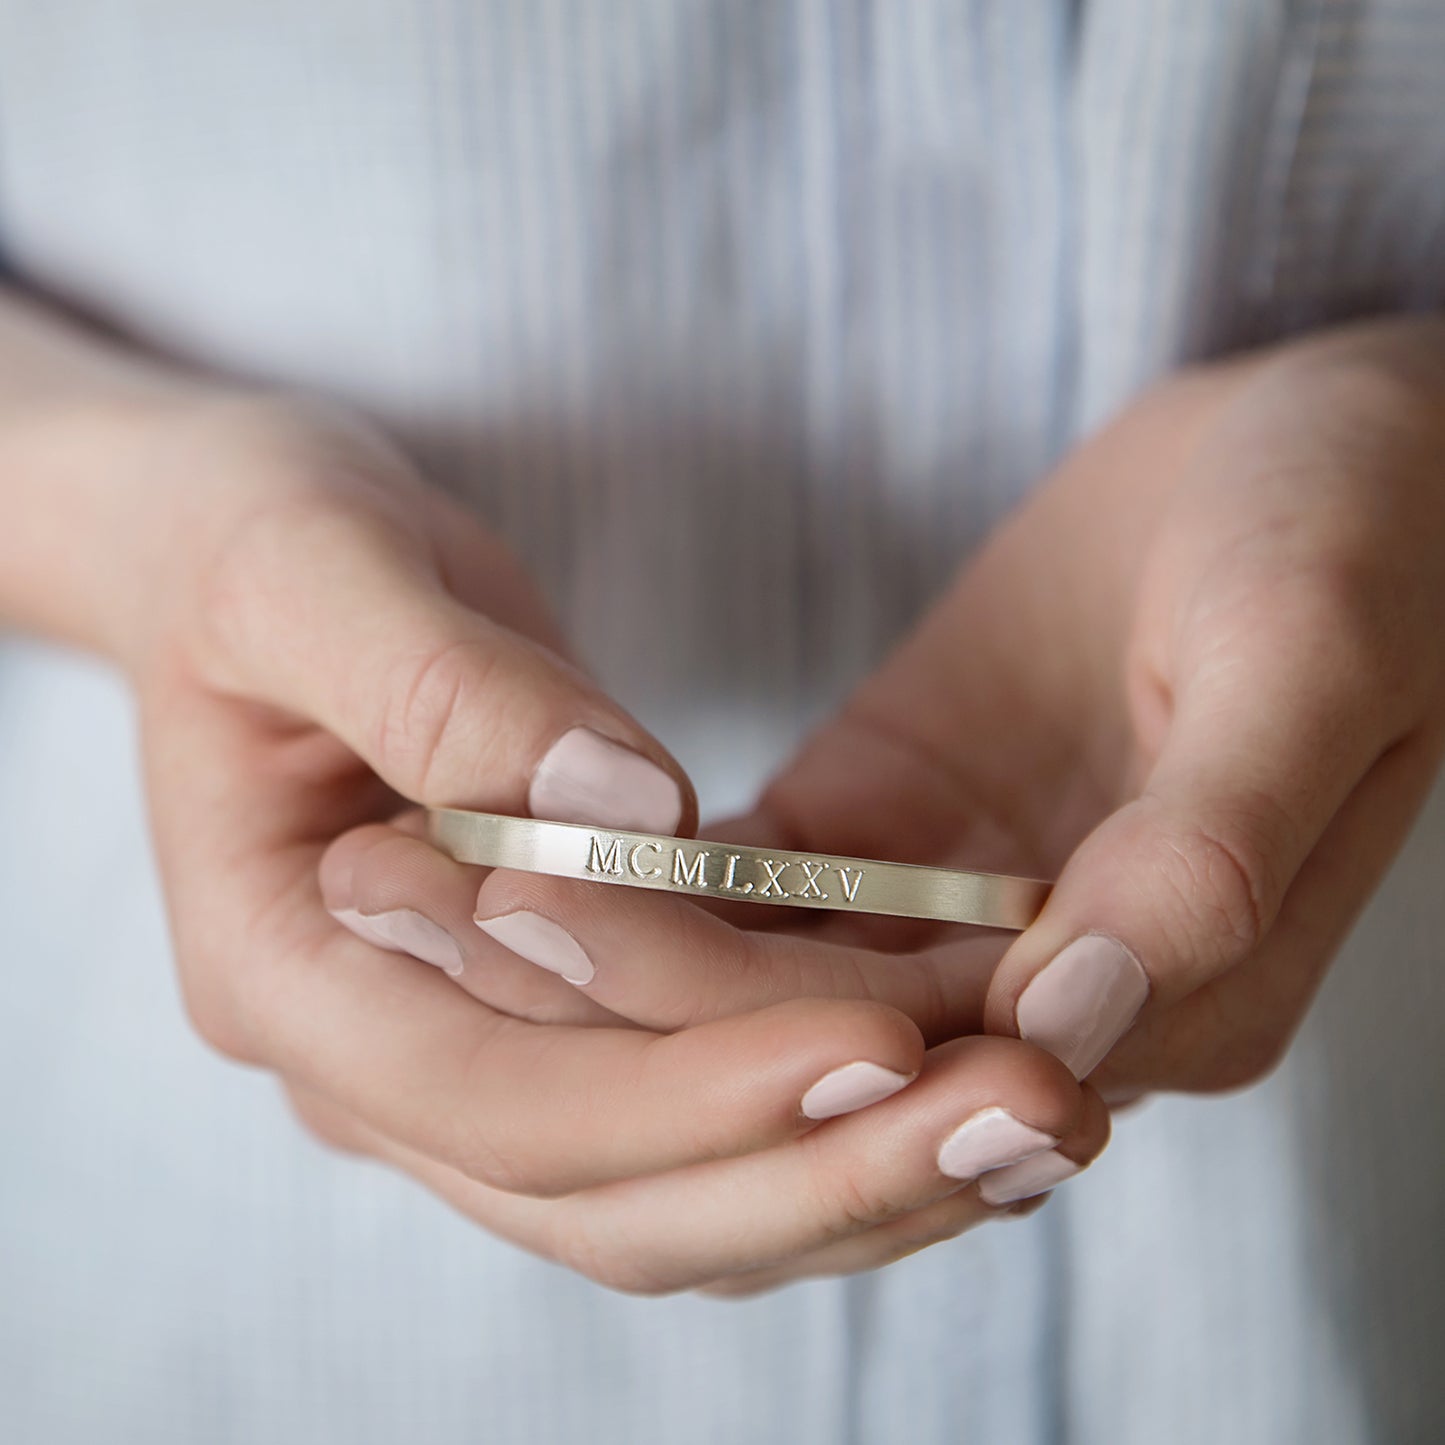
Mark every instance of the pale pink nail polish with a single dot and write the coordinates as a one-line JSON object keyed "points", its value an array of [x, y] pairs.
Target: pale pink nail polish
{"points": [[990, 1139], [1083, 1001], [586, 778], [853, 1086], [404, 930], [1026, 1179], [540, 941]]}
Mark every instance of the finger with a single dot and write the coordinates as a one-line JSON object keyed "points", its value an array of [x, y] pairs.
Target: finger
{"points": [[873, 1248], [881, 1246], [269, 978], [399, 893], [543, 1109], [688, 1227], [874, 782], [337, 612], [1233, 1031], [665, 963], [1010, 1193], [329, 1123], [1288, 697]]}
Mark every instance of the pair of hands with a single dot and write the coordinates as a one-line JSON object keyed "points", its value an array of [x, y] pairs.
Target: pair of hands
{"points": [[1199, 677]]}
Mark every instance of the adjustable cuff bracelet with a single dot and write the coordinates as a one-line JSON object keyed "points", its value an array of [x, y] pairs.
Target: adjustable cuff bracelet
{"points": [[733, 870]]}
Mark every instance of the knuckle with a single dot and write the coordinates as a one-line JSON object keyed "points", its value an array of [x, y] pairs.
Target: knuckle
{"points": [[322, 1124], [1242, 1060], [1220, 881], [851, 1203], [212, 1008], [1351, 606], [435, 710], [484, 1160], [612, 1264]]}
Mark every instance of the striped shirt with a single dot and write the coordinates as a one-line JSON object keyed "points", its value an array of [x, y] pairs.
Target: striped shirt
{"points": [[744, 321]]}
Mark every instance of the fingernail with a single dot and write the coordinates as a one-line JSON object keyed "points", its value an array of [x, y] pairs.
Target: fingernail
{"points": [[1082, 1002], [586, 778], [988, 1140], [404, 930], [1026, 1179], [540, 941], [853, 1086]]}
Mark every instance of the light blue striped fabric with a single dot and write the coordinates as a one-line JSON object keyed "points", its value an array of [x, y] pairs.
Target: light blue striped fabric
{"points": [[785, 301]]}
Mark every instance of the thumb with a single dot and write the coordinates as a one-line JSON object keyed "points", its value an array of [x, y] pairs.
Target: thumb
{"points": [[338, 613], [1269, 736]]}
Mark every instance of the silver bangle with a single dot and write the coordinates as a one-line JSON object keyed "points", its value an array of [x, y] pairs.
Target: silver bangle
{"points": [[734, 870]]}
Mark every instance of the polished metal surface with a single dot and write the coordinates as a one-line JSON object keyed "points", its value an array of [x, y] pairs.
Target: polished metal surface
{"points": [[732, 870]]}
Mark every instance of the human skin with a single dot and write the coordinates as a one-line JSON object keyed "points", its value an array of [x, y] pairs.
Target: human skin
{"points": [[316, 637], [1199, 677]]}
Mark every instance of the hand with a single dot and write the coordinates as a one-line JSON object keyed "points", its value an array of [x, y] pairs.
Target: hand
{"points": [[317, 637], [1201, 675], [1279, 655], [1198, 674]]}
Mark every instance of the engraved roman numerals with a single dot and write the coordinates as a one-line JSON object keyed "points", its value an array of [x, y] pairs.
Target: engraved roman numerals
{"points": [[600, 862], [667, 863], [732, 873], [772, 888], [687, 875], [811, 872]]}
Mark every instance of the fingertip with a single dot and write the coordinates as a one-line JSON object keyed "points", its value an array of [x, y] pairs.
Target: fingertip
{"points": [[1035, 1177], [1074, 982], [586, 776], [336, 870], [1028, 1179], [391, 869], [779, 1071], [858, 1029], [1083, 1001], [1035, 1087], [396, 892], [851, 1087], [1092, 1131]]}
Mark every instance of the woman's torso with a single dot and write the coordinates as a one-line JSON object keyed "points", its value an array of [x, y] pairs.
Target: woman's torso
{"points": [[744, 323]]}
